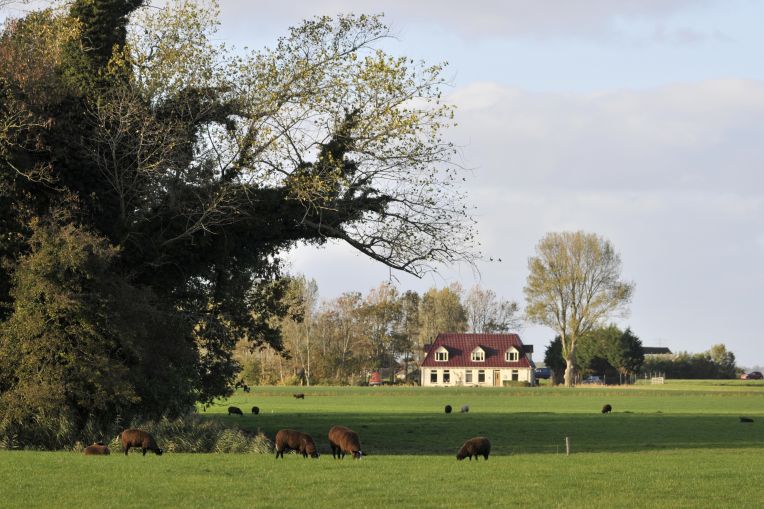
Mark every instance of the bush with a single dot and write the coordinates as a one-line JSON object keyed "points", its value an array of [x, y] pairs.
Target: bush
{"points": [[515, 383], [195, 434]]}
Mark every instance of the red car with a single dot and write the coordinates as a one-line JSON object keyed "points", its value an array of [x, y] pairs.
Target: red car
{"points": [[753, 375]]}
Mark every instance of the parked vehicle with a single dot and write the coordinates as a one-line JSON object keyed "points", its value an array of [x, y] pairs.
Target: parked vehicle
{"points": [[592, 379], [544, 373], [753, 375]]}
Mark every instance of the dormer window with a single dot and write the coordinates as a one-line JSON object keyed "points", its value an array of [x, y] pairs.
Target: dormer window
{"points": [[441, 354], [512, 355], [478, 355]]}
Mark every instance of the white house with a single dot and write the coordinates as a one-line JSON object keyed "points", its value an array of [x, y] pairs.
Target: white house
{"points": [[477, 359]]}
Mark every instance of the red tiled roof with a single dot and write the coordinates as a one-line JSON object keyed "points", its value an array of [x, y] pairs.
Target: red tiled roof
{"points": [[460, 347]]}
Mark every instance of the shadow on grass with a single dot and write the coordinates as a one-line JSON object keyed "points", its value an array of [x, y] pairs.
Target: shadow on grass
{"points": [[425, 434]]}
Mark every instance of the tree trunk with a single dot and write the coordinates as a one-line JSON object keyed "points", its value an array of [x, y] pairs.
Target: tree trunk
{"points": [[570, 370]]}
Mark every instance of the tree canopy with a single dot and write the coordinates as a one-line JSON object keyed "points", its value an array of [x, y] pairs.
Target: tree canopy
{"points": [[190, 168]]}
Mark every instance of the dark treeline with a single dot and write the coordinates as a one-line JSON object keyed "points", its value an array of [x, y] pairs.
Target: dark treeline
{"points": [[341, 340]]}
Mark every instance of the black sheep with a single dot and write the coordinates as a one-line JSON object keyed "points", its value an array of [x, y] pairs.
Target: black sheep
{"points": [[478, 446], [234, 410], [298, 395], [448, 409], [255, 410], [607, 409]]}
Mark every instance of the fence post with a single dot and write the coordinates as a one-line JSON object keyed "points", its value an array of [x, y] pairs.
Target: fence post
{"points": [[567, 446]]}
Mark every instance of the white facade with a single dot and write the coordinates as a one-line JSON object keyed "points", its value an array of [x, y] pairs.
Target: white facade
{"points": [[478, 377]]}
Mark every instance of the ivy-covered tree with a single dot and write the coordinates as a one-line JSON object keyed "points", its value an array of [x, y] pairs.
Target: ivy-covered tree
{"points": [[199, 166]]}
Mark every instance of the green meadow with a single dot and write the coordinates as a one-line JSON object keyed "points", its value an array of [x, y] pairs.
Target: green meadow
{"points": [[675, 445]]}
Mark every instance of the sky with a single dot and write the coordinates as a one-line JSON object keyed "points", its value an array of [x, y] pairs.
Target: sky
{"points": [[638, 120]]}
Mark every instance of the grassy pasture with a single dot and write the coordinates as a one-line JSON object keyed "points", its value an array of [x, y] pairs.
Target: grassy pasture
{"points": [[677, 445], [393, 421]]}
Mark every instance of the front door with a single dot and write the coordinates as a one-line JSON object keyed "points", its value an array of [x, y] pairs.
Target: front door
{"points": [[496, 378]]}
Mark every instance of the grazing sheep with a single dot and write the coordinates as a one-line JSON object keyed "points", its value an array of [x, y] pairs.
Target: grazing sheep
{"points": [[234, 410], [298, 395], [300, 442], [344, 440], [607, 409], [448, 409], [746, 419], [465, 409], [255, 410], [97, 449], [478, 446], [139, 438]]}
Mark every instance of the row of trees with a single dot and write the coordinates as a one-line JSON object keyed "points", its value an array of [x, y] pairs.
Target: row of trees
{"points": [[715, 363], [340, 340]]}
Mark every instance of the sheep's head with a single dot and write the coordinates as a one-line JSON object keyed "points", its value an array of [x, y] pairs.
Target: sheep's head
{"points": [[357, 454], [159, 451], [314, 454]]}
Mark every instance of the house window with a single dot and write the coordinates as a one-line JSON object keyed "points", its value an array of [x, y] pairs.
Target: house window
{"points": [[446, 376], [515, 375], [512, 355], [481, 376], [478, 355], [441, 355], [433, 376], [468, 376]]}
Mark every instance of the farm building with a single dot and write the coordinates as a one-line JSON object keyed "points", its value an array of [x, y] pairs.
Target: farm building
{"points": [[477, 359]]}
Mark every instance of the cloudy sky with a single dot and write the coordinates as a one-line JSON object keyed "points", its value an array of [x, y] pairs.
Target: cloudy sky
{"points": [[639, 120]]}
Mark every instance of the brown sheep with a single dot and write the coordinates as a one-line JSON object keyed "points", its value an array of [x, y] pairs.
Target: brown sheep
{"points": [[607, 409], [299, 395], [139, 438], [97, 449], [478, 446], [300, 442], [344, 440], [234, 410]]}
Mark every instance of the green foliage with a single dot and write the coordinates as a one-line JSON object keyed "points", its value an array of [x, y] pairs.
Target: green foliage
{"points": [[610, 349], [82, 347], [716, 363], [554, 360]]}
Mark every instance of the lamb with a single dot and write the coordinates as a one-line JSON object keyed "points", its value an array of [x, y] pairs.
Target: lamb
{"points": [[255, 410], [300, 442], [299, 395], [234, 410], [607, 409], [465, 409], [344, 440], [139, 438], [448, 409], [478, 446], [97, 449]]}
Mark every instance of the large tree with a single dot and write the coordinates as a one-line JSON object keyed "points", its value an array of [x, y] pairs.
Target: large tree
{"points": [[574, 284], [201, 165]]}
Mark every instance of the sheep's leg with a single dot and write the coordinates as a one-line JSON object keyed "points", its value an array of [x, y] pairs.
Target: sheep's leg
{"points": [[144, 450]]}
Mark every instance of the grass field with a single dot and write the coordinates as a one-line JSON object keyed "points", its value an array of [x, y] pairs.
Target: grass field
{"points": [[677, 445]]}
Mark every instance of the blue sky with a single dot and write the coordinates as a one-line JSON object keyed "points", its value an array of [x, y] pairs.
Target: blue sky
{"points": [[639, 120]]}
